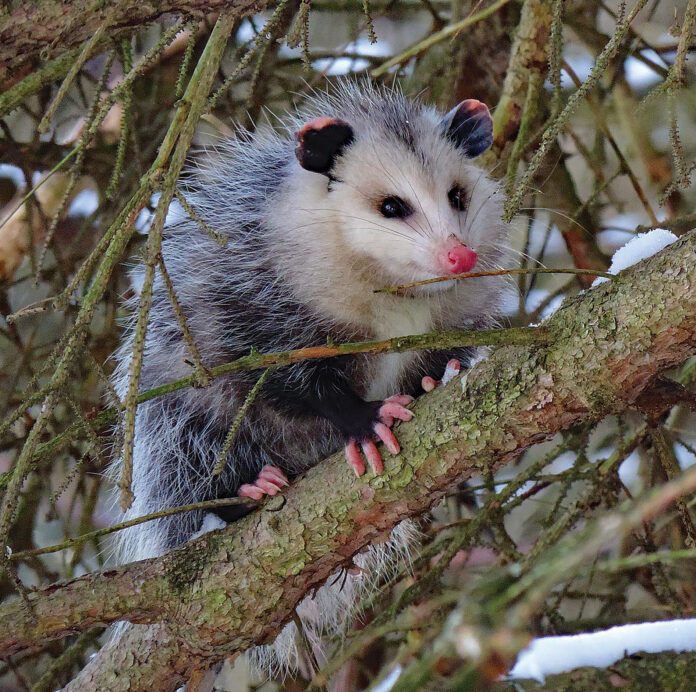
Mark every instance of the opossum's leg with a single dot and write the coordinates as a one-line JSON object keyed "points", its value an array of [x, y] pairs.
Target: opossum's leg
{"points": [[325, 389], [451, 370], [269, 482], [450, 361], [393, 408]]}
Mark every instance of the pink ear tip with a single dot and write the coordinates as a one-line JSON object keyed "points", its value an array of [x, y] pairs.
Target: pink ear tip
{"points": [[476, 106], [319, 124]]}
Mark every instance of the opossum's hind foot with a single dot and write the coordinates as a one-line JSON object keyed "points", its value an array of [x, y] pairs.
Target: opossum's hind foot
{"points": [[451, 370], [269, 482], [393, 408]]}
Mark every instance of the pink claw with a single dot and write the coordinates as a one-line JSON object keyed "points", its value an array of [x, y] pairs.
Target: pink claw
{"points": [[373, 456], [451, 370], [387, 436], [269, 482], [274, 475], [354, 458]]}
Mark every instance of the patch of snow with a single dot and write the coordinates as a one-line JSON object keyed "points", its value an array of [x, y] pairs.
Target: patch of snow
{"points": [[175, 213], [84, 203], [629, 470], [246, 30], [581, 62], [684, 456], [638, 74], [211, 522], [611, 239], [13, 173], [344, 65], [534, 299], [481, 354], [388, 682], [143, 221], [339, 66], [562, 462], [449, 374], [364, 47], [553, 655], [639, 248]]}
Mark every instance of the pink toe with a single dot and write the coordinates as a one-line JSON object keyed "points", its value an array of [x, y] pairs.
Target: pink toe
{"points": [[268, 487], [428, 384], [454, 364], [274, 475], [354, 458], [387, 436], [402, 399], [394, 410], [248, 490], [373, 457]]}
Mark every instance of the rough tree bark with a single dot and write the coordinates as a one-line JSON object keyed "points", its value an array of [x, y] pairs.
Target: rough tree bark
{"points": [[236, 587]]}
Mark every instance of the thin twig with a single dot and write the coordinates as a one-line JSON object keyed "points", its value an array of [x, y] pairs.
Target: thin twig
{"points": [[221, 461], [435, 38], [69, 78], [557, 124], [498, 272], [99, 533], [255, 361]]}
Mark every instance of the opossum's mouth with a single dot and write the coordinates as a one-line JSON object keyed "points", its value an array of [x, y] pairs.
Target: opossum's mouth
{"points": [[439, 288]]}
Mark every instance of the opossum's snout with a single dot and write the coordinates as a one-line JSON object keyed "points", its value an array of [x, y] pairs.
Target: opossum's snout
{"points": [[457, 258]]}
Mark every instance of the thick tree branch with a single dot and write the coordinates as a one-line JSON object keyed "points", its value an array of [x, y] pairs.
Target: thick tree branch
{"points": [[236, 587], [34, 33]]}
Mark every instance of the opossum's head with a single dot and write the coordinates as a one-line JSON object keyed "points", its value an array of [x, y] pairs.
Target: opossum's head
{"points": [[400, 188]]}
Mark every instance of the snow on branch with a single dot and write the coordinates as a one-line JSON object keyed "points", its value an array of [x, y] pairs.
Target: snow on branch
{"points": [[552, 655]]}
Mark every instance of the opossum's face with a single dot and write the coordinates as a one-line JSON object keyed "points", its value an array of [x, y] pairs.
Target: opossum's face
{"points": [[409, 202]]}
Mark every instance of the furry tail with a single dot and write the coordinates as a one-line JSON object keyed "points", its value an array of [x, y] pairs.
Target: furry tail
{"points": [[328, 613]]}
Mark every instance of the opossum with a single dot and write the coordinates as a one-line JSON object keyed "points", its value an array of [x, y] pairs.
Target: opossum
{"points": [[360, 188]]}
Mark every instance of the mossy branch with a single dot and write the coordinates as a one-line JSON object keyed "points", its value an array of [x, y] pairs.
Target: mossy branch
{"points": [[606, 347], [29, 34]]}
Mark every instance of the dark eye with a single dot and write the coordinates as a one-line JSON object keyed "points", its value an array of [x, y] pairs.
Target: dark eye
{"points": [[457, 198], [394, 208]]}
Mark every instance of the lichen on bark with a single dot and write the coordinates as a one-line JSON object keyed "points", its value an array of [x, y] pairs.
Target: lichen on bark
{"points": [[516, 398]]}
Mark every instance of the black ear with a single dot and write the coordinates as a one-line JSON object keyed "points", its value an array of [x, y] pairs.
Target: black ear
{"points": [[320, 142], [470, 127]]}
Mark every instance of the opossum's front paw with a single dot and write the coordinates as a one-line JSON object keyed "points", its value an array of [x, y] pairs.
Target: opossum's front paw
{"points": [[269, 482], [391, 409], [451, 370]]}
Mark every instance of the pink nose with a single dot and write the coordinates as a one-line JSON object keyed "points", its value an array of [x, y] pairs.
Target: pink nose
{"points": [[458, 259]]}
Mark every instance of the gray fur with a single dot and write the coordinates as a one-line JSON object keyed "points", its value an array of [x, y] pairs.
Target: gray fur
{"points": [[285, 280]]}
